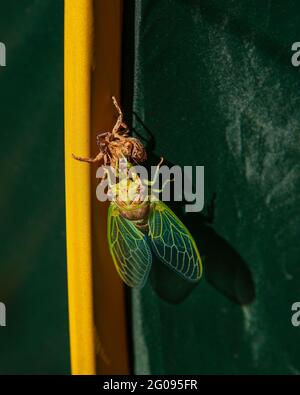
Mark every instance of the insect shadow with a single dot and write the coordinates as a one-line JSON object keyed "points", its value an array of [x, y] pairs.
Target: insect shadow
{"points": [[223, 266]]}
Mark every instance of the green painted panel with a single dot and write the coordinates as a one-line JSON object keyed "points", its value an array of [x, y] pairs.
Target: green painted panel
{"points": [[212, 84], [32, 250]]}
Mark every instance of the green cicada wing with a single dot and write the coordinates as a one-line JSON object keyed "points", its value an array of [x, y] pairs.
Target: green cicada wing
{"points": [[129, 249], [173, 243]]}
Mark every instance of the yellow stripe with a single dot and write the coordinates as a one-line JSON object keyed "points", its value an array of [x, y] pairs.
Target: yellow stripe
{"points": [[78, 44]]}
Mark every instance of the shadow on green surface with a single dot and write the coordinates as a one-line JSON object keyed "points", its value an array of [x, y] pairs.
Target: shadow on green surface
{"points": [[224, 268]]}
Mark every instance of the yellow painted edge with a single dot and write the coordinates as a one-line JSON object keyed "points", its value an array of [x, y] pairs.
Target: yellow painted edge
{"points": [[78, 50]]}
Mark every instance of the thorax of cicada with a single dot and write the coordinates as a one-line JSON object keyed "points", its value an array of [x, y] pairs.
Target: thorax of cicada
{"points": [[129, 191], [130, 195]]}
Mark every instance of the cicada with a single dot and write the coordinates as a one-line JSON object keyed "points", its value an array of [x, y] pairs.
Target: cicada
{"points": [[139, 224]]}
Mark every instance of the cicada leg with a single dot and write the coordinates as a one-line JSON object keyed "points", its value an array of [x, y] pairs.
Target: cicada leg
{"points": [[152, 182], [119, 122], [97, 158]]}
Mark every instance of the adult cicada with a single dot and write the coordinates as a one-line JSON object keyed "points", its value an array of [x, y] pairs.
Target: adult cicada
{"points": [[139, 224]]}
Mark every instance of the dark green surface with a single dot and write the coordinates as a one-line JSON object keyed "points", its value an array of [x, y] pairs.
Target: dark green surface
{"points": [[32, 249], [213, 83]]}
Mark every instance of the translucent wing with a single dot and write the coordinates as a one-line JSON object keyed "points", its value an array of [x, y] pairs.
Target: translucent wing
{"points": [[173, 243], [129, 249]]}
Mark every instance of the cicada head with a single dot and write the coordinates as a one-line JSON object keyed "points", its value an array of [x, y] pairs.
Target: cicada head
{"points": [[134, 150]]}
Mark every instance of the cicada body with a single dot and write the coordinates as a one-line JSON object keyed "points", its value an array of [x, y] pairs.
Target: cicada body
{"points": [[138, 223], [134, 233]]}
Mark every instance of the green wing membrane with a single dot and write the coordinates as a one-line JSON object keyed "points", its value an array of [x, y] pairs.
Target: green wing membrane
{"points": [[129, 249], [173, 243]]}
